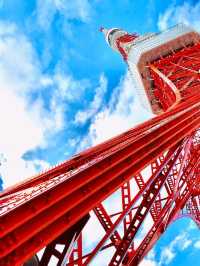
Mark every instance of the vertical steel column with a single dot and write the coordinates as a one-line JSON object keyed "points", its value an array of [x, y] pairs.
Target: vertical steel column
{"points": [[126, 199], [77, 252]]}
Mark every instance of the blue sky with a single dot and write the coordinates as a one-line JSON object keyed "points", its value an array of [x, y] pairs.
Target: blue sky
{"points": [[63, 89]]}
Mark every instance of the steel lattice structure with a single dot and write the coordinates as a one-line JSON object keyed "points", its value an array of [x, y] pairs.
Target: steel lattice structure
{"points": [[154, 168]]}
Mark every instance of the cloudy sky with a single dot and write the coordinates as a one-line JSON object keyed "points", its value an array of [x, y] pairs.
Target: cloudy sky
{"points": [[63, 89]]}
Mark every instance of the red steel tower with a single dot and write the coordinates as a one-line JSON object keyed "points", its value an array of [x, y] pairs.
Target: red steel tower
{"points": [[152, 170]]}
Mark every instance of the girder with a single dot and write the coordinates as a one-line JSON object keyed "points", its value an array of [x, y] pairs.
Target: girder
{"points": [[106, 223]]}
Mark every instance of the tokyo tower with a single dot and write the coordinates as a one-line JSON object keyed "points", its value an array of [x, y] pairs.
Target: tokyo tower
{"points": [[151, 172]]}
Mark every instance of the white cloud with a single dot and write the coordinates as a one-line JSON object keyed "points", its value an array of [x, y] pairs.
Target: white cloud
{"points": [[103, 257], [68, 89], [186, 244], [167, 256], [148, 262], [93, 229], [26, 124], [164, 19], [180, 243], [15, 169], [17, 61], [69, 9], [20, 130], [46, 11], [123, 112], [192, 225], [82, 116], [186, 13], [65, 90], [197, 244]]}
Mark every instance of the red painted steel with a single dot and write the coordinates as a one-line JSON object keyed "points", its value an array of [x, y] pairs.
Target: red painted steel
{"points": [[154, 168], [124, 40], [126, 200], [77, 252], [106, 223]]}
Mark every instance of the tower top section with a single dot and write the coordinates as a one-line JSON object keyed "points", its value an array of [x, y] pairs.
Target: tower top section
{"points": [[156, 88]]}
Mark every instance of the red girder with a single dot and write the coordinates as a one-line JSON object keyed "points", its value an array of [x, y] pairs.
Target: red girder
{"points": [[192, 50], [126, 199], [106, 222], [179, 69], [156, 207], [77, 253], [123, 40]]}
